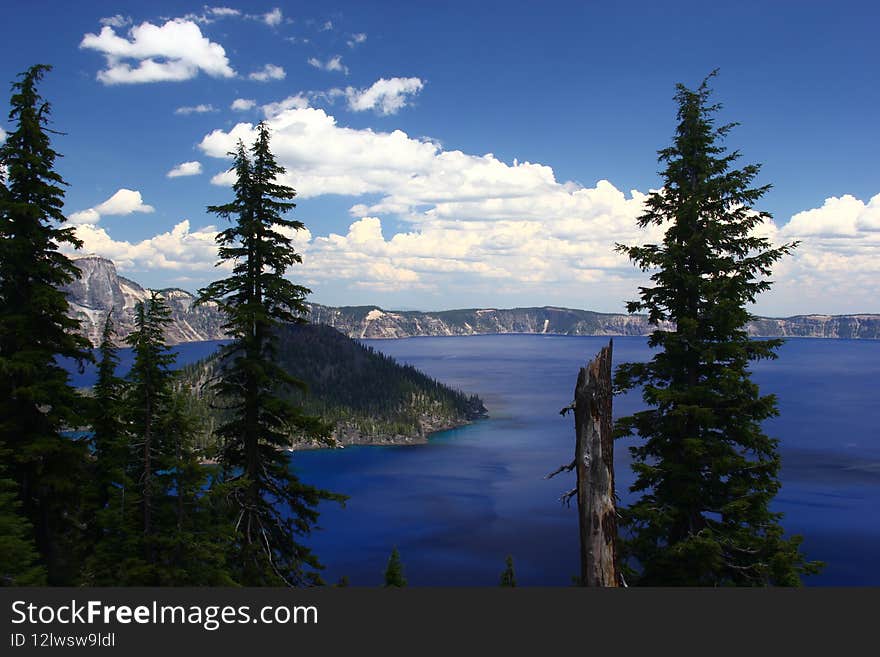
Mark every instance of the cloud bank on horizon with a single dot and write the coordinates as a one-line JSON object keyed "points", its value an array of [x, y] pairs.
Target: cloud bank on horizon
{"points": [[423, 217], [475, 220]]}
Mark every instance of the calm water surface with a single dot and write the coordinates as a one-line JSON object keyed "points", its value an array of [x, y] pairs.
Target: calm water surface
{"points": [[458, 505]]}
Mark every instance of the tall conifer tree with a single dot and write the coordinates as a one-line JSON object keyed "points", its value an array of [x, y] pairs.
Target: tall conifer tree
{"points": [[192, 535], [706, 472], [36, 401], [157, 526], [273, 509], [148, 397], [108, 428], [110, 536], [19, 561]]}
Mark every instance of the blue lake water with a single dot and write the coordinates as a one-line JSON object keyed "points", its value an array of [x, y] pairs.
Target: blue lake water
{"points": [[458, 505]]}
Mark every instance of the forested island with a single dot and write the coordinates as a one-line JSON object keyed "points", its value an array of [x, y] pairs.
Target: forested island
{"points": [[367, 397]]}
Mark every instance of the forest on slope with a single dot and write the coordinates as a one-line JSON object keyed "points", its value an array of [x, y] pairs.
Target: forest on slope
{"points": [[368, 397]]}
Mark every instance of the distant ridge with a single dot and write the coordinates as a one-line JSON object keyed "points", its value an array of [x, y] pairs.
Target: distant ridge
{"points": [[100, 289]]}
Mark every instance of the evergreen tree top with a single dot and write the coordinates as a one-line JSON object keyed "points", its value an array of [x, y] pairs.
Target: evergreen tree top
{"points": [[37, 402], [256, 298], [705, 470], [711, 252], [394, 571], [28, 154], [32, 193]]}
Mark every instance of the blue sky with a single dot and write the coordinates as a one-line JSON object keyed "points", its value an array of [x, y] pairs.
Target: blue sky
{"points": [[393, 108]]}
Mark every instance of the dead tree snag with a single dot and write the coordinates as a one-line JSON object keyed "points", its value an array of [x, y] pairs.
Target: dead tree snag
{"points": [[594, 466]]}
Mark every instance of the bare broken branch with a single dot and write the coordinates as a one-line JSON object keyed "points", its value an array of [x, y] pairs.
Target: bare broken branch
{"points": [[562, 468]]}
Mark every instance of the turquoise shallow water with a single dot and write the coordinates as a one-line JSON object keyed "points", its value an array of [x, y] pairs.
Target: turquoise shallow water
{"points": [[456, 506]]}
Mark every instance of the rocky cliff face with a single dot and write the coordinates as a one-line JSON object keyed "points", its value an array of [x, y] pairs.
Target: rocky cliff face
{"points": [[848, 327], [100, 289], [372, 322]]}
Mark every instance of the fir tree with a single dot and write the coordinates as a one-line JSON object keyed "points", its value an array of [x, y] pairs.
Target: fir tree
{"points": [[19, 561], [36, 401], [148, 397], [705, 470], [158, 526], [191, 535], [273, 509], [394, 571], [110, 536], [108, 429], [508, 578]]}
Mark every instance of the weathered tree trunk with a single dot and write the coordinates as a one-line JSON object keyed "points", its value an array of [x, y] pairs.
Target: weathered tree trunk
{"points": [[594, 465]]}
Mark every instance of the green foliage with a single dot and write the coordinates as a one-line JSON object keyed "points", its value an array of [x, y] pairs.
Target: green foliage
{"points": [[112, 539], [149, 393], [272, 508], [108, 429], [192, 528], [394, 571], [348, 381], [351, 385], [705, 470], [157, 525], [19, 561], [508, 577], [36, 401]]}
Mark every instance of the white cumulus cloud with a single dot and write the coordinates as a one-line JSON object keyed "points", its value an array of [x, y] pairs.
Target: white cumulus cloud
{"points": [[174, 51], [383, 96], [211, 15], [178, 249], [195, 109], [243, 104], [481, 226], [475, 219], [356, 39], [841, 217], [192, 252], [332, 64], [116, 21], [298, 101], [836, 267], [223, 11], [185, 169], [90, 216], [123, 202], [273, 18], [268, 72], [454, 225]]}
